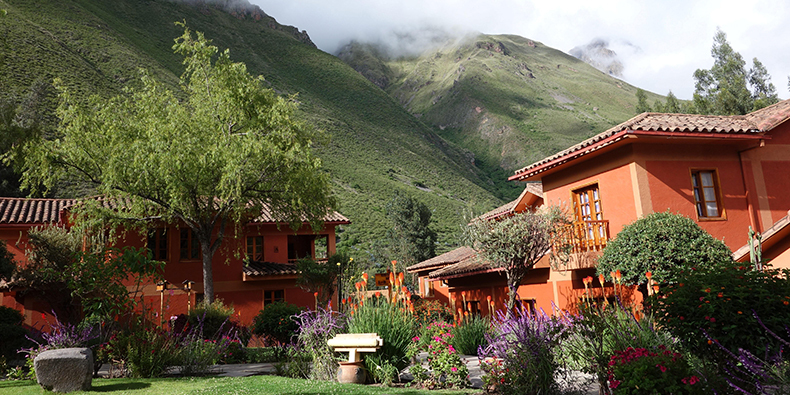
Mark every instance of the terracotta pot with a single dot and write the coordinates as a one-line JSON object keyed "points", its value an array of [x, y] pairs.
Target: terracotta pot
{"points": [[351, 372]]}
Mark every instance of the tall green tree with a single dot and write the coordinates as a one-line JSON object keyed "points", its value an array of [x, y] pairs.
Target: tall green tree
{"points": [[763, 91], [725, 88], [410, 238], [207, 158], [641, 102]]}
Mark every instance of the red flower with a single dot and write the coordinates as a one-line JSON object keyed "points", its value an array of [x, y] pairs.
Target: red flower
{"points": [[662, 368]]}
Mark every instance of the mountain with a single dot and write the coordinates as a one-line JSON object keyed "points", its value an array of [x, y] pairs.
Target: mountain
{"points": [[508, 99], [372, 146]]}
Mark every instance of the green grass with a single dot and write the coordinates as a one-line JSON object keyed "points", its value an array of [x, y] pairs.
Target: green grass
{"points": [[220, 385]]}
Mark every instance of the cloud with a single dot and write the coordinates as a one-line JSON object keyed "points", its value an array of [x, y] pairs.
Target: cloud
{"points": [[674, 36]]}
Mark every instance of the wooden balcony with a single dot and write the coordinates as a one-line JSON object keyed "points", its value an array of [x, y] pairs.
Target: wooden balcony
{"points": [[583, 236]]}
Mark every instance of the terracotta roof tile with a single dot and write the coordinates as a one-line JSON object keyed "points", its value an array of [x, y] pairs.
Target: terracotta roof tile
{"points": [[255, 268], [447, 258], [40, 211], [535, 188], [756, 122], [468, 265], [32, 211]]}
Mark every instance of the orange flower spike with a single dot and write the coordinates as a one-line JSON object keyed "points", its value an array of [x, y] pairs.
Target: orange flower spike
{"points": [[315, 294], [488, 298], [392, 278], [357, 285], [394, 262], [649, 276], [612, 275], [655, 288], [618, 275], [365, 277], [601, 279], [378, 294], [460, 311]]}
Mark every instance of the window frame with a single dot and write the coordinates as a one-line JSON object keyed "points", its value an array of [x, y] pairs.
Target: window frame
{"points": [[191, 244], [157, 236], [694, 176], [273, 298], [257, 250]]}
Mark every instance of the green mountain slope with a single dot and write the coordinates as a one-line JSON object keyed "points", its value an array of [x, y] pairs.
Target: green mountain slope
{"points": [[373, 147], [508, 99]]}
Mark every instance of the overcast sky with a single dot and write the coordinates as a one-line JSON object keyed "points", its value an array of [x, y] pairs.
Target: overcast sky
{"points": [[660, 42]]}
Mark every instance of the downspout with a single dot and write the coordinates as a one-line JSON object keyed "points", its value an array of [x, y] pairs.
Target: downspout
{"points": [[753, 220]]}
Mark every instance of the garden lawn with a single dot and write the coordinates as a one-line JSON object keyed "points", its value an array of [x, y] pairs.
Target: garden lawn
{"points": [[221, 385]]}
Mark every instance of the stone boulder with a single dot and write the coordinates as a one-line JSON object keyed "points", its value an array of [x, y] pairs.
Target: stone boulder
{"points": [[65, 369]]}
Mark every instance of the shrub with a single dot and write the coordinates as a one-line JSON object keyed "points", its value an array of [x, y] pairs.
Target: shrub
{"points": [[315, 329], [447, 368], [522, 345], [661, 243], [470, 334], [721, 305], [276, 322], [214, 319], [600, 329], [392, 319], [143, 352], [636, 371], [13, 336]]}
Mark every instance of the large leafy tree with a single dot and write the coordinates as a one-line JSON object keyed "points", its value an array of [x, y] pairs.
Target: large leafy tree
{"points": [[724, 89], [515, 244], [207, 157], [410, 238], [664, 244]]}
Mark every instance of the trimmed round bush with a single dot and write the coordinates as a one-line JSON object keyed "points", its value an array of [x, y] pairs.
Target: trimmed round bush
{"points": [[276, 322], [663, 244]]}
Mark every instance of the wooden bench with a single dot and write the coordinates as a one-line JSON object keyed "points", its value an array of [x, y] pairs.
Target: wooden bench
{"points": [[355, 343]]}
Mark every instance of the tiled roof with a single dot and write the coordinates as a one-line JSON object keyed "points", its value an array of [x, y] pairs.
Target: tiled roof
{"points": [[255, 268], [447, 258], [41, 211], [770, 117], [32, 211], [267, 217], [535, 188], [756, 122], [468, 265]]}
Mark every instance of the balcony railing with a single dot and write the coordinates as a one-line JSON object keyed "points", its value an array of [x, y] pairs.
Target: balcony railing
{"points": [[582, 236]]}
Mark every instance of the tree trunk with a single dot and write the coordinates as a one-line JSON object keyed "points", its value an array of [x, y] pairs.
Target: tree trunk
{"points": [[208, 274], [511, 297]]}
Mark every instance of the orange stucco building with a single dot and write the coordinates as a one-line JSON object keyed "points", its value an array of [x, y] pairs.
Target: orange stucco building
{"points": [[727, 173], [252, 268]]}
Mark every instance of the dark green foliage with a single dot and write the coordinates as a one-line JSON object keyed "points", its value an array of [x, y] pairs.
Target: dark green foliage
{"points": [[661, 243], [90, 282], [319, 277], [7, 262], [12, 334], [410, 238], [276, 321], [725, 302]]}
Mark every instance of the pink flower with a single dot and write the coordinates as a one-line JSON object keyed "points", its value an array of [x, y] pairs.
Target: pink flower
{"points": [[662, 367], [614, 383], [453, 369]]}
